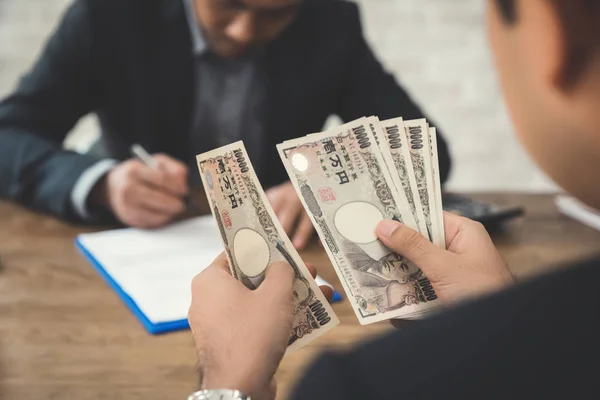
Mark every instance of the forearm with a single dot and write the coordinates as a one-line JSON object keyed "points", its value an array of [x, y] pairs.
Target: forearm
{"points": [[38, 173]]}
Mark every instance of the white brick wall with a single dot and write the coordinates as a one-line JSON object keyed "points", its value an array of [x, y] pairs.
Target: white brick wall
{"points": [[437, 49], [24, 27]]}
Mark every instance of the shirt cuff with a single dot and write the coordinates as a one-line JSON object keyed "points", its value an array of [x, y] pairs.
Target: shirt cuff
{"points": [[85, 184]]}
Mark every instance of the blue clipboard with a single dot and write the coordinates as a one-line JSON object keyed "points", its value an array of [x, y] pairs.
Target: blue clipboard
{"points": [[151, 327]]}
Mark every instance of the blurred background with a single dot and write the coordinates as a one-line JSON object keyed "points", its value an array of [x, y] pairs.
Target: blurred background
{"points": [[437, 49]]}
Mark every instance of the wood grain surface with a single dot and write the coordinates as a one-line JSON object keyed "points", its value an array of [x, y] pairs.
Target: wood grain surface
{"points": [[64, 334]]}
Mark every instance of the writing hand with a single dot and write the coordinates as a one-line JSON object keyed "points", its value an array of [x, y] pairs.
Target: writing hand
{"points": [[141, 196]]}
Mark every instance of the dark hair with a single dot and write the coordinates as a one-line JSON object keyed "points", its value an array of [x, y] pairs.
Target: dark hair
{"points": [[580, 24]]}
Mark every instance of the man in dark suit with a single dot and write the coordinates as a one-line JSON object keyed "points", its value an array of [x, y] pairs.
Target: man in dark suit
{"points": [[497, 340], [181, 77]]}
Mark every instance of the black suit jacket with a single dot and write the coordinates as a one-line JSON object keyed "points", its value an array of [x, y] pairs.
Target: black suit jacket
{"points": [[131, 63], [538, 340]]}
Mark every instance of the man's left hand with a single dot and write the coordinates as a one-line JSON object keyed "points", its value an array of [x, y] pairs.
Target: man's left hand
{"points": [[241, 335], [291, 214]]}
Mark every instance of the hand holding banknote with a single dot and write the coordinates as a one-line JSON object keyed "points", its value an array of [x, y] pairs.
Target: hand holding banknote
{"points": [[241, 336], [352, 177], [470, 267], [254, 239], [372, 191], [140, 195]]}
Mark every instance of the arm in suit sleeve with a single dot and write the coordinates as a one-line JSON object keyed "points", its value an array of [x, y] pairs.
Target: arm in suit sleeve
{"points": [[538, 339], [34, 120], [328, 379], [370, 90]]}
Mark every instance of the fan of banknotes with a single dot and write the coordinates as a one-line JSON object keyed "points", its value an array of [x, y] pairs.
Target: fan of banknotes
{"points": [[349, 179]]}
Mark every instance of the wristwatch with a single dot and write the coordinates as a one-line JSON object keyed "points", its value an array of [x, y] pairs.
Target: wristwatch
{"points": [[219, 394]]}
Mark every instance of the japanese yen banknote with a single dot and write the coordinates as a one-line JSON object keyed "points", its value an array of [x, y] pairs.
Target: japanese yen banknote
{"points": [[254, 238], [349, 179]]}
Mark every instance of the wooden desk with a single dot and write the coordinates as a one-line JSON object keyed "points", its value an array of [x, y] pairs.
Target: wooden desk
{"points": [[64, 334]]}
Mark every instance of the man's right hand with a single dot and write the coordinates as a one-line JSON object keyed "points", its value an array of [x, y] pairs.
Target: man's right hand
{"points": [[471, 265], [141, 196]]}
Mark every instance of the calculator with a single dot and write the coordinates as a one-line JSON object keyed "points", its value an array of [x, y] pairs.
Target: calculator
{"points": [[489, 214]]}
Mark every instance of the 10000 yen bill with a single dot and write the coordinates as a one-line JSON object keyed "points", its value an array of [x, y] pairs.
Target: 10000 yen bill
{"points": [[254, 238], [417, 134], [439, 238], [346, 189], [395, 141]]}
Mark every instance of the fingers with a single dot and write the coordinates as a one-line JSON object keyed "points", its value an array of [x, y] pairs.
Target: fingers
{"points": [[278, 281], [157, 179], [288, 215], [175, 169], [154, 200], [146, 219], [407, 242], [287, 206], [453, 225], [171, 165], [311, 268], [303, 232], [463, 234], [275, 199], [327, 292], [143, 197]]}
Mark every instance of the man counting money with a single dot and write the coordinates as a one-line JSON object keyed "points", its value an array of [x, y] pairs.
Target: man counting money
{"points": [[180, 77], [537, 339]]}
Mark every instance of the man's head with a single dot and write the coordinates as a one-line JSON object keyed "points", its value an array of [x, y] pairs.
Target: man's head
{"points": [[547, 54], [232, 27]]}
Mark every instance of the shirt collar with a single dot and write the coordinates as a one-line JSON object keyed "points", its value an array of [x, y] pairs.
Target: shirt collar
{"points": [[198, 40]]}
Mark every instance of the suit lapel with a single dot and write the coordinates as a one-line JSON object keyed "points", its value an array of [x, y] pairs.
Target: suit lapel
{"points": [[288, 87], [284, 79], [174, 79]]}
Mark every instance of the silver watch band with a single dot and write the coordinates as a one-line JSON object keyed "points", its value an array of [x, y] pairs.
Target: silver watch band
{"points": [[218, 394]]}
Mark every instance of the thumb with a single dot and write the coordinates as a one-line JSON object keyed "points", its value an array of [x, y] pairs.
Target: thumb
{"points": [[407, 242], [279, 279]]}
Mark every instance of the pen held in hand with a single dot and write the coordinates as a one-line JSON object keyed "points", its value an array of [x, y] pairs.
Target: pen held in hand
{"points": [[141, 153]]}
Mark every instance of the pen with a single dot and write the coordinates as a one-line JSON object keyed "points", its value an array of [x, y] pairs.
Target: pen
{"points": [[141, 153]]}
